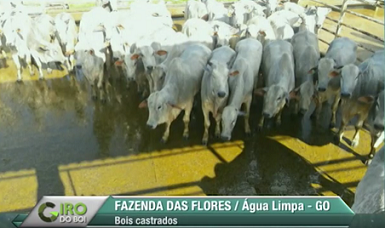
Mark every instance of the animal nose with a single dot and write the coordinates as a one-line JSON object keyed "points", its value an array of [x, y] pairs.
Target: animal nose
{"points": [[266, 115], [321, 89], [150, 68], [345, 95], [78, 66], [379, 127], [302, 111], [221, 94], [225, 138], [151, 126], [116, 59]]}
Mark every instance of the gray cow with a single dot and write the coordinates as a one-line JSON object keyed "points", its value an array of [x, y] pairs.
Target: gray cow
{"points": [[370, 192], [306, 56], [244, 74], [278, 71], [359, 87], [342, 51], [215, 88], [182, 83]]}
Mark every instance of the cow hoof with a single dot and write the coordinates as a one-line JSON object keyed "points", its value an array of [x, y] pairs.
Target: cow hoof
{"points": [[354, 143], [204, 142], [249, 134], [32, 73], [163, 141], [41, 78], [368, 161], [93, 97], [49, 71], [19, 81], [336, 139], [185, 137], [104, 100], [218, 135], [332, 125]]}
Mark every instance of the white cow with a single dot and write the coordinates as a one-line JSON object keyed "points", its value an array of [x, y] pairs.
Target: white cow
{"points": [[215, 88], [66, 33], [182, 83], [195, 9], [370, 192]]}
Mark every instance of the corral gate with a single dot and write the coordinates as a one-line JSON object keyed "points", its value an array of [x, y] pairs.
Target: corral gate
{"points": [[340, 23]]}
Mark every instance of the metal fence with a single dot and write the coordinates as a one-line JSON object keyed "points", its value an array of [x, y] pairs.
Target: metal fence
{"points": [[340, 23]]}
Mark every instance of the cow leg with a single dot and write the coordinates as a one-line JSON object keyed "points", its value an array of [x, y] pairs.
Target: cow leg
{"points": [[296, 108], [72, 62], [186, 120], [16, 60], [100, 87], [38, 63], [374, 137], [261, 122], [29, 64], [345, 120], [278, 119], [334, 110], [247, 116], [218, 124], [49, 70], [206, 117], [4, 54], [318, 110], [166, 133]]}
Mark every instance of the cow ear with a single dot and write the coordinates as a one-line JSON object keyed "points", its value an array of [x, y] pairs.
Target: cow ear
{"points": [[261, 91], [262, 33], [205, 17], [18, 30], [92, 52], [234, 73], [334, 73], [143, 104], [43, 47], [366, 99], [161, 52], [135, 57], [119, 63], [120, 27], [294, 94]]}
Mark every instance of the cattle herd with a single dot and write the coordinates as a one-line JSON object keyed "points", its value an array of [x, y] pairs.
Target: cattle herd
{"points": [[221, 53]]}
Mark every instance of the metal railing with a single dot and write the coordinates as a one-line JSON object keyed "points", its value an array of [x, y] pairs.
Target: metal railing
{"points": [[340, 24]]}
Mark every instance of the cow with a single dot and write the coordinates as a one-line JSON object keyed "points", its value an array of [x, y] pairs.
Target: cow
{"points": [[195, 9], [260, 28], [282, 22], [341, 51], [278, 72], [306, 56], [243, 79], [216, 11], [182, 83], [316, 15], [215, 88], [360, 85], [66, 34], [370, 193]]}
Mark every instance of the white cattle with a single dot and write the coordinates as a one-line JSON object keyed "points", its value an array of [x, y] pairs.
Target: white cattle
{"points": [[370, 192], [278, 72], [341, 51], [282, 22], [243, 79], [306, 56], [182, 83], [195, 9], [216, 11], [215, 88], [66, 33], [260, 28]]}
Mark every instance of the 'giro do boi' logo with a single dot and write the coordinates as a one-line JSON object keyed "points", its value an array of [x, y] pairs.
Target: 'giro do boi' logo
{"points": [[54, 214], [68, 212]]}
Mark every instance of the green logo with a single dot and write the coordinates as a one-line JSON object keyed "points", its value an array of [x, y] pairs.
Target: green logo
{"points": [[54, 213]]}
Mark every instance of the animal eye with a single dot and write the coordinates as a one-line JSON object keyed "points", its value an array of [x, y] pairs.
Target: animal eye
{"points": [[233, 123], [159, 107], [279, 98]]}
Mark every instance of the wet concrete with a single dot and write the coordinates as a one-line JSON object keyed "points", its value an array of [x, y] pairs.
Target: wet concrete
{"points": [[55, 140]]}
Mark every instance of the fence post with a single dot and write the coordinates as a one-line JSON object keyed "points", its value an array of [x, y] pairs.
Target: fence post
{"points": [[342, 14]]}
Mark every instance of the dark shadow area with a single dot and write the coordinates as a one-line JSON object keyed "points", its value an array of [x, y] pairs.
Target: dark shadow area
{"points": [[266, 167]]}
